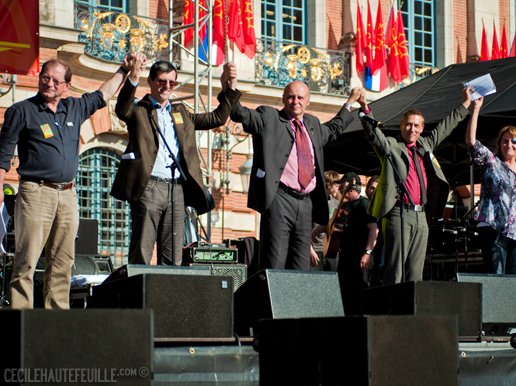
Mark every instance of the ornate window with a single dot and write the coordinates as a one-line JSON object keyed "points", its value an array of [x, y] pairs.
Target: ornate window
{"points": [[419, 21], [284, 21], [97, 168], [106, 5]]}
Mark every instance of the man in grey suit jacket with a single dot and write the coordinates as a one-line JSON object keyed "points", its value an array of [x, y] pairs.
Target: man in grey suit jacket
{"points": [[405, 215], [157, 185], [285, 200]]}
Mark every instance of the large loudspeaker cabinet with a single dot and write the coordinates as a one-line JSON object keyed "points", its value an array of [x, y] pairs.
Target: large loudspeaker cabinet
{"points": [[129, 270], [86, 242], [103, 346], [281, 294], [92, 265], [184, 305], [498, 302], [237, 271], [361, 351], [460, 300]]}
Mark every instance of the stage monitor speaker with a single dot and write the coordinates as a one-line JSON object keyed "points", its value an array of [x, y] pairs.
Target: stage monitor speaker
{"points": [[498, 302], [369, 350], [280, 294], [92, 265], [101, 346], [86, 242], [460, 300], [129, 270], [185, 306], [237, 271]]}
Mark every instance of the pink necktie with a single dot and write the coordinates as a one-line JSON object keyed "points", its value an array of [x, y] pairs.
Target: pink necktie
{"points": [[304, 157]]}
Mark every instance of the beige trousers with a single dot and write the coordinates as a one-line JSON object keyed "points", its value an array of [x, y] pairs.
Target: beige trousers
{"points": [[44, 218]]}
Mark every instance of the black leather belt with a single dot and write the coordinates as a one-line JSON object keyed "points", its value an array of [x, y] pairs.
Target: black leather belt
{"points": [[292, 192], [413, 208], [174, 181], [53, 185]]}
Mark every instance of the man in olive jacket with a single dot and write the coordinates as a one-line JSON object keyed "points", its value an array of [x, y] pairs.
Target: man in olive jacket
{"points": [[405, 217], [160, 171]]}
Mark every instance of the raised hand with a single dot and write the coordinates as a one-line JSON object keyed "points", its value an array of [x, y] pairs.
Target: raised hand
{"points": [[229, 76]]}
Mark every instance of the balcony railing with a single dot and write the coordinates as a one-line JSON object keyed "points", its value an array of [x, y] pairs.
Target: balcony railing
{"points": [[326, 71], [111, 35]]}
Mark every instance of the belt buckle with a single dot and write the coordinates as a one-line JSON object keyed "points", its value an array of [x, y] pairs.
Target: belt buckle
{"points": [[418, 208], [59, 186]]}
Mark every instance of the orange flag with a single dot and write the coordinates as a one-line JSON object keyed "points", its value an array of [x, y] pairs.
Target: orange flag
{"points": [[379, 46], [484, 49], [19, 37], [403, 49], [504, 49], [360, 44], [495, 48]]}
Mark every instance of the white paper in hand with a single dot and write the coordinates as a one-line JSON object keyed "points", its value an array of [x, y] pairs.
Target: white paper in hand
{"points": [[481, 86]]}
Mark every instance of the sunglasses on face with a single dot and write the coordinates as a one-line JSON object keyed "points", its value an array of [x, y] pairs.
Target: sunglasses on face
{"points": [[164, 82]]}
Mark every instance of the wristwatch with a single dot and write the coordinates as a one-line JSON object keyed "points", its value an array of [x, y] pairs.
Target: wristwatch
{"points": [[368, 251]]}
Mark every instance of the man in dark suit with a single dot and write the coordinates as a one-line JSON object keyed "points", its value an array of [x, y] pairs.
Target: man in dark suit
{"points": [[404, 216], [160, 171], [287, 182]]}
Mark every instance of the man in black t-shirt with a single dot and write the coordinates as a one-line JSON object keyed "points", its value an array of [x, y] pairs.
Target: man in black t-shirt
{"points": [[357, 242]]}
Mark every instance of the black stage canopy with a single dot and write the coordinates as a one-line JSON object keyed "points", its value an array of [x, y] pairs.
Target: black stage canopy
{"points": [[436, 96]]}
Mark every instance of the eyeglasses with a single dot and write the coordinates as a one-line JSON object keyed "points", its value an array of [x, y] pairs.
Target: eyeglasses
{"points": [[164, 82], [47, 79]]}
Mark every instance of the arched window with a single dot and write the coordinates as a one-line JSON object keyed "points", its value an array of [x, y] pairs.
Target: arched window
{"points": [[97, 168]]}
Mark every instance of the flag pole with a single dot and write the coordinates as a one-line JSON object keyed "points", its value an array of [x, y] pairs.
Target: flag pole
{"points": [[226, 23]]}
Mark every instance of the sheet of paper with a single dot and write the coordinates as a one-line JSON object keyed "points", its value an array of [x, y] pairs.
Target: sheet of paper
{"points": [[481, 86]]}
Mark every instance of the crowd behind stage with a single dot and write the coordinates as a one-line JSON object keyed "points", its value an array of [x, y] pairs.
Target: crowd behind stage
{"points": [[309, 217]]}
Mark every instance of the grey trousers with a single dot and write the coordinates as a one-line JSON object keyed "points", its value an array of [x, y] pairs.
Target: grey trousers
{"points": [[415, 239], [158, 218]]}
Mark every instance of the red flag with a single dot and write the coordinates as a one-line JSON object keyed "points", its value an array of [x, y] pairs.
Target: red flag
{"points": [[217, 52], [235, 32], [513, 47], [248, 28], [402, 47], [391, 41], [360, 44], [369, 38], [504, 49], [188, 18], [379, 47], [495, 48], [484, 49], [19, 44]]}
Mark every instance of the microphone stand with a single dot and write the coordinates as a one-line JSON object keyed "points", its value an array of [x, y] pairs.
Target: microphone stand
{"points": [[175, 165], [400, 187]]}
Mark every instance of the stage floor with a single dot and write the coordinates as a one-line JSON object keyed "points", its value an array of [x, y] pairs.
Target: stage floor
{"points": [[480, 364]]}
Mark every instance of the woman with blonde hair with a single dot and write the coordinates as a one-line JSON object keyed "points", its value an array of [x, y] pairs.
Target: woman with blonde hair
{"points": [[497, 207]]}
